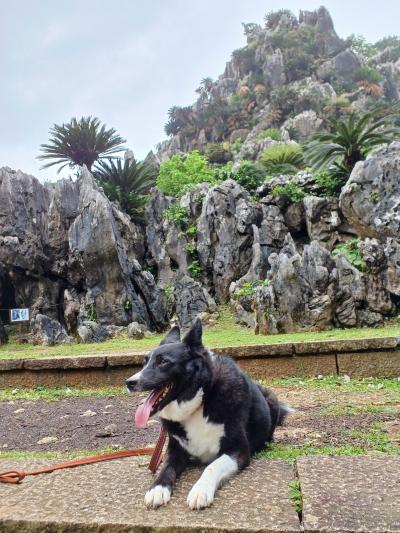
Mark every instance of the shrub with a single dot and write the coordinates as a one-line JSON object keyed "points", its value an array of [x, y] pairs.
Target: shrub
{"points": [[272, 133], [218, 153], [273, 17], [282, 169], [177, 214], [291, 190], [250, 175], [178, 172], [283, 154], [351, 251], [236, 145], [330, 183], [195, 269], [249, 288], [367, 74]]}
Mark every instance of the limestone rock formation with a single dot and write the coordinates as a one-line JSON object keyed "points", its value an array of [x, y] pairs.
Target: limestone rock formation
{"points": [[370, 199], [47, 331]]}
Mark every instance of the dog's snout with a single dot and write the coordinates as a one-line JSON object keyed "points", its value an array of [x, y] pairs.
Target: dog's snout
{"points": [[133, 381]]}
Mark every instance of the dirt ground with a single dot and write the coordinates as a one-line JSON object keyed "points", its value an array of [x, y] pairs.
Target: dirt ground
{"points": [[93, 423]]}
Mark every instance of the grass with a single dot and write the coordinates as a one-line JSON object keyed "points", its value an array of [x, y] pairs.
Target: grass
{"points": [[225, 333], [58, 393], [295, 495], [354, 410], [338, 382], [54, 455]]}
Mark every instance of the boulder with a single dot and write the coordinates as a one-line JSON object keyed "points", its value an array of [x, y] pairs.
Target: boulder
{"points": [[306, 124], [341, 67], [136, 330], [323, 219], [191, 299], [89, 331], [370, 200], [392, 273], [47, 331]]}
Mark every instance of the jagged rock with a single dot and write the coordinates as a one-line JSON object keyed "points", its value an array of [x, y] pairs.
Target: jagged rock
{"points": [[47, 331], [370, 200], [323, 220], [341, 67], [274, 69], [302, 290], [295, 218], [3, 333], [115, 332], [373, 255], [136, 330], [328, 40], [304, 179], [191, 300], [390, 89], [224, 234], [311, 90], [90, 331], [306, 124], [240, 134], [392, 274], [350, 293]]}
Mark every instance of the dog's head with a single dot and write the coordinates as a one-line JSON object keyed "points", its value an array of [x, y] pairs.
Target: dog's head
{"points": [[169, 370]]}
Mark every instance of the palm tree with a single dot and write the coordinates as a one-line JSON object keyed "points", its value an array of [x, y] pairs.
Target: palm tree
{"points": [[350, 140], [80, 142], [127, 183]]}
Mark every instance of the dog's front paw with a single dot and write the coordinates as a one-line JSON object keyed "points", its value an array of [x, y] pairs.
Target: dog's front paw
{"points": [[201, 495], [157, 496]]}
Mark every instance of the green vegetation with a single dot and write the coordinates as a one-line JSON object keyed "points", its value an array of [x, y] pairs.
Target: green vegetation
{"points": [[339, 383], [295, 495], [180, 172], [127, 183], [226, 332], [54, 455], [282, 154], [272, 133], [330, 183], [55, 394], [177, 214], [91, 313], [250, 175], [354, 410], [218, 153], [368, 74], [80, 142], [195, 269], [350, 140], [291, 190], [351, 250], [250, 287]]}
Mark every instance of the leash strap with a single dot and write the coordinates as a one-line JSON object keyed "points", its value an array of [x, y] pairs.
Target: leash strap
{"points": [[16, 476]]}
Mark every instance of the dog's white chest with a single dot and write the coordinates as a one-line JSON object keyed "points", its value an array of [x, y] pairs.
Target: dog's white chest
{"points": [[203, 438]]}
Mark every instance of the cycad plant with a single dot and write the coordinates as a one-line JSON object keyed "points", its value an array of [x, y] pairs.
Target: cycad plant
{"points": [[126, 182], [350, 140], [80, 142]]}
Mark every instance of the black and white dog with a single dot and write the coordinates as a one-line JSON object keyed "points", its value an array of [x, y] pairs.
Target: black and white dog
{"points": [[212, 411]]}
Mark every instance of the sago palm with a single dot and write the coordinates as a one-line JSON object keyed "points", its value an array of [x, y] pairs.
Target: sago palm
{"points": [[80, 142], [350, 140], [126, 182]]}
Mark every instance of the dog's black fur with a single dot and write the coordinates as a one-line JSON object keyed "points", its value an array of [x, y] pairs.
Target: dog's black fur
{"points": [[247, 411]]}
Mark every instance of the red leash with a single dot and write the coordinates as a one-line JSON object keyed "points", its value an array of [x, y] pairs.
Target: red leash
{"points": [[16, 476]]}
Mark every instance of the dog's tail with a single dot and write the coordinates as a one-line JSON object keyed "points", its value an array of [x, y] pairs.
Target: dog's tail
{"points": [[279, 410], [284, 410]]}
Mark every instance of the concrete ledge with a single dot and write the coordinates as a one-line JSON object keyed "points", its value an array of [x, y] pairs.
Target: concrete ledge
{"points": [[357, 357]]}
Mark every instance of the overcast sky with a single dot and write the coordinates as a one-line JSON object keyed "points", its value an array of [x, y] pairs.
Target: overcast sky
{"points": [[129, 61]]}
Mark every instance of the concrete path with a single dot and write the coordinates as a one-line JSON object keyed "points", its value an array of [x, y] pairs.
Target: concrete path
{"points": [[342, 494]]}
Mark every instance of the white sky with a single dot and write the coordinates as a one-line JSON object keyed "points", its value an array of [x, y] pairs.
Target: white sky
{"points": [[128, 61]]}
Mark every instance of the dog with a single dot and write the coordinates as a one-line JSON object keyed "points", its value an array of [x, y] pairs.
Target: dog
{"points": [[213, 413]]}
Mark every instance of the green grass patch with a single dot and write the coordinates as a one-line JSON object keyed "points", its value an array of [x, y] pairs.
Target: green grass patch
{"points": [[375, 438], [291, 453], [295, 495], [225, 333], [339, 383], [12, 454], [57, 393], [354, 410]]}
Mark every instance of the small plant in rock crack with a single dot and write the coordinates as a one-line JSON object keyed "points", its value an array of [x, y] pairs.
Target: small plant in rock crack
{"points": [[295, 495], [374, 197], [195, 269], [191, 249], [250, 287], [91, 313], [128, 306], [190, 232], [352, 253], [169, 292], [177, 214]]}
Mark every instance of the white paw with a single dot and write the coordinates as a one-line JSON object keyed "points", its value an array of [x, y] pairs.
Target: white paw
{"points": [[201, 495], [157, 496]]}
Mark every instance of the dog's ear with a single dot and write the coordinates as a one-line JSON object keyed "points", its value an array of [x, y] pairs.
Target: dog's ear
{"points": [[193, 336], [174, 335]]}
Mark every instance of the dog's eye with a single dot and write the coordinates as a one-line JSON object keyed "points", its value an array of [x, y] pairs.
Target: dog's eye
{"points": [[163, 362]]}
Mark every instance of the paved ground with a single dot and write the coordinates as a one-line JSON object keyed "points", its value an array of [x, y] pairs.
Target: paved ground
{"points": [[323, 417], [342, 494]]}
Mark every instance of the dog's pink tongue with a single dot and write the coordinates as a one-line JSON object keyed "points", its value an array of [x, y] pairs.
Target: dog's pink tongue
{"points": [[142, 414]]}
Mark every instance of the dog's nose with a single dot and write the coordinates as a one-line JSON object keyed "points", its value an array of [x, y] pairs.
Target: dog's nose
{"points": [[133, 381]]}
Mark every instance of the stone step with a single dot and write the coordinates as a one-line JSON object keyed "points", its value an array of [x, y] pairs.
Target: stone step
{"points": [[108, 497]]}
